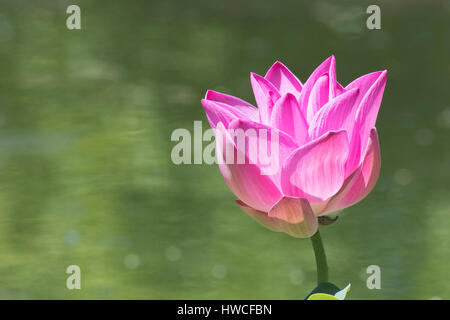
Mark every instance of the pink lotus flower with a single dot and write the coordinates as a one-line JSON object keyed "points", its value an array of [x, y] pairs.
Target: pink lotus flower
{"points": [[328, 145]]}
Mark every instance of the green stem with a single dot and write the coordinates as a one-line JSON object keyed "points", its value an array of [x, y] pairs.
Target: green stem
{"points": [[321, 258]]}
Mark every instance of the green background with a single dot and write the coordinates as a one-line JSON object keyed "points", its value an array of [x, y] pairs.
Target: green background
{"points": [[86, 176]]}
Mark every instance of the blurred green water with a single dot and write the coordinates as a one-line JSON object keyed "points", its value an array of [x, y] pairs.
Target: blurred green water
{"points": [[85, 171]]}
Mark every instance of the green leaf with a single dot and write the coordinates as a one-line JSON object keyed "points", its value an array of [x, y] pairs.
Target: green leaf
{"points": [[328, 291], [343, 293], [322, 296]]}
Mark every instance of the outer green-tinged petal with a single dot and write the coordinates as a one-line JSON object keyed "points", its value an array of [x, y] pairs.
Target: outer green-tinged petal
{"points": [[295, 217], [292, 216], [259, 216]]}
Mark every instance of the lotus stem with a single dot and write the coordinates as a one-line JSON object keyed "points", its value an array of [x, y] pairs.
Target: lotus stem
{"points": [[321, 258]]}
